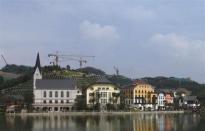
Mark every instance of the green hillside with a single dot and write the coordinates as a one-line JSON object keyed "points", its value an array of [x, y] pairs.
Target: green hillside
{"points": [[174, 83], [86, 76]]}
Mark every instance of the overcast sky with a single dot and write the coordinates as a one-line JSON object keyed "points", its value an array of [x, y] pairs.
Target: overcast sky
{"points": [[140, 37]]}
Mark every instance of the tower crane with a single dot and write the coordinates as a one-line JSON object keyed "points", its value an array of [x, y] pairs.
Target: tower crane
{"points": [[80, 58]]}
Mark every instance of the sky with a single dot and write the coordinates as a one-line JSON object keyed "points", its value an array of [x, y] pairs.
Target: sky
{"points": [[140, 37]]}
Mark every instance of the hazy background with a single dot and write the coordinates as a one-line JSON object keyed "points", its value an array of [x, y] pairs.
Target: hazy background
{"points": [[140, 37]]}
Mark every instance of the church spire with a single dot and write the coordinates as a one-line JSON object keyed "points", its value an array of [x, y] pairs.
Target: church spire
{"points": [[38, 63], [37, 71]]}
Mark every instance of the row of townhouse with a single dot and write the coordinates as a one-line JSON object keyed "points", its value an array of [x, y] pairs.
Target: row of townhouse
{"points": [[143, 95], [61, 94]]}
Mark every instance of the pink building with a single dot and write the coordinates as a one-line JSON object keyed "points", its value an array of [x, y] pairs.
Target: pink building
{"points": [[169, 98]]}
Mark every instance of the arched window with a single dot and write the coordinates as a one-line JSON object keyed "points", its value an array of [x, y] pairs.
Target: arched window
{"points": [[67, 93], [62, 94]]}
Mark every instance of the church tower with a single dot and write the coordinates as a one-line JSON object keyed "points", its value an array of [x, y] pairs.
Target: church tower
{"points": [[37, 71]]}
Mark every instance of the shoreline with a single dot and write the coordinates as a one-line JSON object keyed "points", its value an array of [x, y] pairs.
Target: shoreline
{"points": [[92, 113]]}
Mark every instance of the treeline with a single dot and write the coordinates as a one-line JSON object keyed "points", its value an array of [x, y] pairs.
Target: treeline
{"points": [[174, 83], [25, 72], [13, 82], [17, 69]]}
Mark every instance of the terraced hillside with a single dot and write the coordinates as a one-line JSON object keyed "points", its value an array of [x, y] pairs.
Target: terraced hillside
{"points": [[6, 75], [19, 89]]}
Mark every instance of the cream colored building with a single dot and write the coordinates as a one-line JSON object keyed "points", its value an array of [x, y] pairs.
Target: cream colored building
{"points": [[102, 92], [139, 93]]}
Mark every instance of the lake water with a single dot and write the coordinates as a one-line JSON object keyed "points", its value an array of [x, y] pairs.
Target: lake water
{"points": [[137, 122]]}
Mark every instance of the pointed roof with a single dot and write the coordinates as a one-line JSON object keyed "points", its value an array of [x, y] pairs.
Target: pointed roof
{"points": [[38, 63], [103, 80]]}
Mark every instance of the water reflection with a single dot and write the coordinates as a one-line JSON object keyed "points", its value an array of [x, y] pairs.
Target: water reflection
{"points": [[138, 122]]}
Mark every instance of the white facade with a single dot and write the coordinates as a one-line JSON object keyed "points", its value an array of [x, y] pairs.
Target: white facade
{"points": [[55, 99], [53, 95], [58, 97], [160, 100], [102, 93]]}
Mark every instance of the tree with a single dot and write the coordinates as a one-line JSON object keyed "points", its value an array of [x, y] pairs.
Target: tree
{"points": [[80, 102], [28, 99], [1, 79]]}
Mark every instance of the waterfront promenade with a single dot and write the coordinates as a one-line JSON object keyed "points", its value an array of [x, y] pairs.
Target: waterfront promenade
{"points": [[92, 113]]}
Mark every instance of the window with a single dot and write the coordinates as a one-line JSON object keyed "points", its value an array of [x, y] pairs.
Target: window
{"points": [[50, 101], [50, 94], [67, 101], [67, 93], [62, 101], [103, 94], [62, 94], [103, 101], [91, 94], [44, 101], [56, 94], [44, 94], [56, 101]]}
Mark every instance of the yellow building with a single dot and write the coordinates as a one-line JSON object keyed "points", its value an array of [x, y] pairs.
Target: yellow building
{"points": [[102, 92], [139, 93]]}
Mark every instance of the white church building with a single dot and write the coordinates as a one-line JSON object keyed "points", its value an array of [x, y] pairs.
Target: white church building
{"points": [[53, 94]]}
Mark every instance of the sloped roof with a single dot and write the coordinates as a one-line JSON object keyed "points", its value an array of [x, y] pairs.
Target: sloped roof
{"points": [[135, 83], [138, 82], [190, 98], [103, 80], [56, 84]]}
